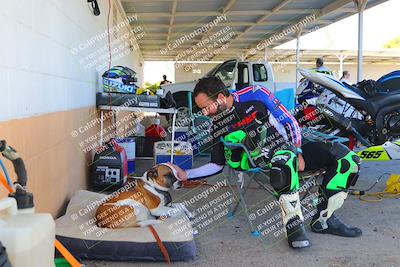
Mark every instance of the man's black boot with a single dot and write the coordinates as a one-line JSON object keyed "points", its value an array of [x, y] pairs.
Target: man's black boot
{"points": [[325, 221]]}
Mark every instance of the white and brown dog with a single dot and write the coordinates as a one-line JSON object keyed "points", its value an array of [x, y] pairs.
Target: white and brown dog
{"points": [[147, 201]]}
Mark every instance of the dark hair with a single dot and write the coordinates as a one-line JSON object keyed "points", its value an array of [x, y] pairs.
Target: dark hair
{"points": [[164, 77], [211, 86], [345, 72], [320, 61]]}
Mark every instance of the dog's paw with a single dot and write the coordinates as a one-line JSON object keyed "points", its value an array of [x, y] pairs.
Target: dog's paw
{"points": [[195, 232], [183, 209]]}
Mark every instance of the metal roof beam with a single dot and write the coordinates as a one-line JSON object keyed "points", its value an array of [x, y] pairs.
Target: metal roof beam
{"points": [[338, 4], [228, 13], [203, 36], [222, 24], [171, 21], [160, 34], [262, 19]]}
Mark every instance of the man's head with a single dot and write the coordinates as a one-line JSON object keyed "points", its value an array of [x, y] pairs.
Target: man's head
{"points": [[211, 95], [346, 74], [164, 77], [319, 62]]}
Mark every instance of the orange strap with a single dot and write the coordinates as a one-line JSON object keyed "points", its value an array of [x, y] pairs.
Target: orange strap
{"points": [[193, 183], [66, 254], [160, 244], [4, 182]]}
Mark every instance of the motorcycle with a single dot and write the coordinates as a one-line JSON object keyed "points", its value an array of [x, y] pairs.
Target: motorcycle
{"points": [[370, 111]]}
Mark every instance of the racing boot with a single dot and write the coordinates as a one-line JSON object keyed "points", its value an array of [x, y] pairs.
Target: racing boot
{"points": [[325, 221], [293, 220]]}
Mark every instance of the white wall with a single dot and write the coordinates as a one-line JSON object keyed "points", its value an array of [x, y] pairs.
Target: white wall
{"points": [[38, 71]]}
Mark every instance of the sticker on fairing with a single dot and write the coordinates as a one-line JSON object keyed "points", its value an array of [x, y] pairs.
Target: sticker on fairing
{"points": [[385, 152]]}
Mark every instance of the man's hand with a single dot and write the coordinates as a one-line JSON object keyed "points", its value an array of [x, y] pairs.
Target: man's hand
{"points": [[301, 162], [182, 175]]}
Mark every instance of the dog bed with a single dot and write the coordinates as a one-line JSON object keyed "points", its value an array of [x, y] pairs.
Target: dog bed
{"points": [[78, 232]]}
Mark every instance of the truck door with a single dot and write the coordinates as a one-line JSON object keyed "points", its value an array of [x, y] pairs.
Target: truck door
{"points": [[242, 76]]}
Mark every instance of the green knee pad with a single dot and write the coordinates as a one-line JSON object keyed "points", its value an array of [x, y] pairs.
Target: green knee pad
{"points": [[346, 172]]}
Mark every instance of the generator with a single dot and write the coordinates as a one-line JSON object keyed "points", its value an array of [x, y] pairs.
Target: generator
{"points": [[109, 170]]}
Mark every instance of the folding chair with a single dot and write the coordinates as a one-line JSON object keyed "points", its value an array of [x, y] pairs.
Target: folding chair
{"points": [[242, 186]]}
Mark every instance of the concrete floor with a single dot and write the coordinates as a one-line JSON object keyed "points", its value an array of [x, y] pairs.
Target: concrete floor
{"points": [[229, 243]]}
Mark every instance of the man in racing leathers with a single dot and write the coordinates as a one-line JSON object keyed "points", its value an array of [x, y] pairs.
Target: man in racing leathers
{"points": [[254, 117]]}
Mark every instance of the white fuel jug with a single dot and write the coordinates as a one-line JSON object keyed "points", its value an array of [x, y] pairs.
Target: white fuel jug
{"points": [[28, 238]]}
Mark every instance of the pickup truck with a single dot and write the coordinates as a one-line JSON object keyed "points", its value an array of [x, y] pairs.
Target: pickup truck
{"points": [[235, 74]]}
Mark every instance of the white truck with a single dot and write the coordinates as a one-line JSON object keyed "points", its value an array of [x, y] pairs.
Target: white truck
{"points": [[235, 74]]}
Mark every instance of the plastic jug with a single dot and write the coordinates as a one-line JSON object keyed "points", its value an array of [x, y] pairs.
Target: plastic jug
{"points": [[28, 238]]}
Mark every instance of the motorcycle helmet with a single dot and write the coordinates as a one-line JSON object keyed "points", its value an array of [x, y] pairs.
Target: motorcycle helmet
{"points": [[127, 75]]}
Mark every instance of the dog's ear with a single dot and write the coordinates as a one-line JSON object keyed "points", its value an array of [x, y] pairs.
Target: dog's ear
{"points": [[152, 174]]}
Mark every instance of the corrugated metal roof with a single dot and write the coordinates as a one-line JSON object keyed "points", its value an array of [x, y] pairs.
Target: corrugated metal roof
{"points": [[242, 28]]}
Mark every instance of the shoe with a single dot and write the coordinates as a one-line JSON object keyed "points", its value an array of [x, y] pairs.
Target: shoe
{"points": [[296, 234], [335, 227]]}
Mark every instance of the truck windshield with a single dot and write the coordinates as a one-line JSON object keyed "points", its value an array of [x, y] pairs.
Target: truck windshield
{"points": [[260, 73], [212, 71]]}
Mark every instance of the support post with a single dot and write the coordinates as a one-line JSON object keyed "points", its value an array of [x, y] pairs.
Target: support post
{"points": [[298, 34], [361, 4], [341, 61]]}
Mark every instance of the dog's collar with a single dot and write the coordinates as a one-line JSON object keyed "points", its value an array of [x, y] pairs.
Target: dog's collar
{"points": [[167, 196]]}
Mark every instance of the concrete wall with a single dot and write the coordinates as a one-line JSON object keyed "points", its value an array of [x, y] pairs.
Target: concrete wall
{"points": [[48, 88]]}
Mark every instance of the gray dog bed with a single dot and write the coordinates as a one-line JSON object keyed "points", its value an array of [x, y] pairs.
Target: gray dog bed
{"points": [[78, 232]]}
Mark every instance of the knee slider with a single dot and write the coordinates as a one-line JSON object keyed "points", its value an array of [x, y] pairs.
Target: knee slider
{"points": [[279, 180]]}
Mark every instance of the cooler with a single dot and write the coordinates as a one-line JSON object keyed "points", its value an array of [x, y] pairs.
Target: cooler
{"points": [[183, 153]]}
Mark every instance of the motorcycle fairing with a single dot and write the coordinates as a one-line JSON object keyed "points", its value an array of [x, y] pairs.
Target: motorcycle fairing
{"points": [[329, 82], [387, 151]]}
